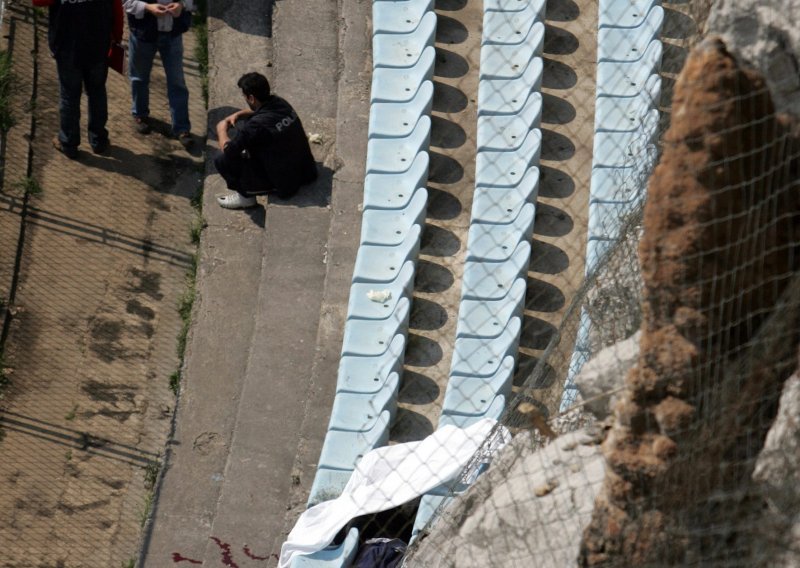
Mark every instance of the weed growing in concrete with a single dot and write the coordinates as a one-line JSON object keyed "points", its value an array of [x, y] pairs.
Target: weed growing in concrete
{"points": [[7, 81], [71, 414], [129, 563], [175, 382], [4, 380], [200, 25], [28, 186], [148, 507], [151, 474]]}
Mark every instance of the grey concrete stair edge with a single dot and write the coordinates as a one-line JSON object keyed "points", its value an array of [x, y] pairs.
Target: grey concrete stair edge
{"points": [[259, 417], [348, 183]]}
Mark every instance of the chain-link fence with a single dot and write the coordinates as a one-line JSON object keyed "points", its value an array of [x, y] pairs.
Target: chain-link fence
{"points": [[659, 322], [94, 257], [572, 321]]}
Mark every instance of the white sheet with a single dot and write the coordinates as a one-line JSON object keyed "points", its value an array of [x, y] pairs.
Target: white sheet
{"points": [[387, 477]]}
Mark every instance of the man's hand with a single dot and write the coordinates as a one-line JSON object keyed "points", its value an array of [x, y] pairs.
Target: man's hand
{"points": [[222, 131], [174, 9], [157, 10]]}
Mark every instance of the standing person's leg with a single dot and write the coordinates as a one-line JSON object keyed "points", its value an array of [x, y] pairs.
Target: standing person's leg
{"points": [[171, 50], [140, 62], [94, 78], [69, 107]]}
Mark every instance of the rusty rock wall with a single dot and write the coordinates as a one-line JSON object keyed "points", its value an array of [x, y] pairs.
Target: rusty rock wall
{"points": [[721, 234]]}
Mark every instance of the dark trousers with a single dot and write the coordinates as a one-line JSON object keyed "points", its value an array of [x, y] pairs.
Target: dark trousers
{"points": [[245, 177], [72, 80]]}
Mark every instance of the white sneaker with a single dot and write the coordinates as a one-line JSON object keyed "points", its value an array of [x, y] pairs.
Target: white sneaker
{"points": [[235, 201]]}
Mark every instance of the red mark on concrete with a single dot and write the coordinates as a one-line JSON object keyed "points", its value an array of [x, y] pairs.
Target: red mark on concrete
{"points": [[227, 558], [249, 554], [178, 558]]}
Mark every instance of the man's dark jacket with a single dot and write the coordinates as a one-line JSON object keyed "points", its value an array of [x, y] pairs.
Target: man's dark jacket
{"points": [[81, 31], [280, 158]]}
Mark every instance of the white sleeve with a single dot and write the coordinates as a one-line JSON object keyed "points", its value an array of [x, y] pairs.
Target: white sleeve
{"points": [[134, 7]]}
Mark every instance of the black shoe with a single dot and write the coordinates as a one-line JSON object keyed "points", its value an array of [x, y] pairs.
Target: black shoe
{"points": [[142, 124], [70, 152], [101, 147]]}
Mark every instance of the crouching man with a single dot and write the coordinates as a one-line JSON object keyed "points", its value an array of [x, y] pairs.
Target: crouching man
{"points": [[269, 153]]}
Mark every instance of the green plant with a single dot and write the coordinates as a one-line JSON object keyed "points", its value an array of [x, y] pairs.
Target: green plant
{"points": [[71, 414], [130, 563], [7, 81], [148, 506], [151, 474], [4, 380], [175, 382], [200, 25], [28, 186], [196, 228], [68, 455]]}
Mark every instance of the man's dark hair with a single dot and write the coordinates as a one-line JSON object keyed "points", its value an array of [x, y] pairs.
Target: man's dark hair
{"points": [[254, 84]]}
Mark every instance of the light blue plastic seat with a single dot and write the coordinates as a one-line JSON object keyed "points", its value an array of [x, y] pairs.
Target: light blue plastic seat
{"points": [[624, 149], [332, 557], [403, 16], [510, 28], [624, 13], [514, 5], [626, 113], [494, 242], [395, 155], [328, 484], [388, 227], [493, 280], [582, 338], [481, 357], [626, 44], [606, 219], [428, 505], [361, 307], [503, 204], [403, 50], [396, 120], [382, 264], [508, 131], [506, 169], [395, 191], [369, 338], [510, 61], [495, 411], [578, 360], [509, 96], [342, 450], [474, 395], [488, 318], [628, 79], [369, 374], [390, 84], [596, 250], [568, 397], [617, 184], [359, 411]]}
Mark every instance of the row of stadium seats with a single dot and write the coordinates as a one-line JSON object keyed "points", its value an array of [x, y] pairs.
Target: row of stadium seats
{"points": [[501, 225], [626, 128]]}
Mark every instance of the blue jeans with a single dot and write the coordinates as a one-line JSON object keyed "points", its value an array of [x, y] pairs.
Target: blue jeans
{"points": [[140, 61], [72, 79]]}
